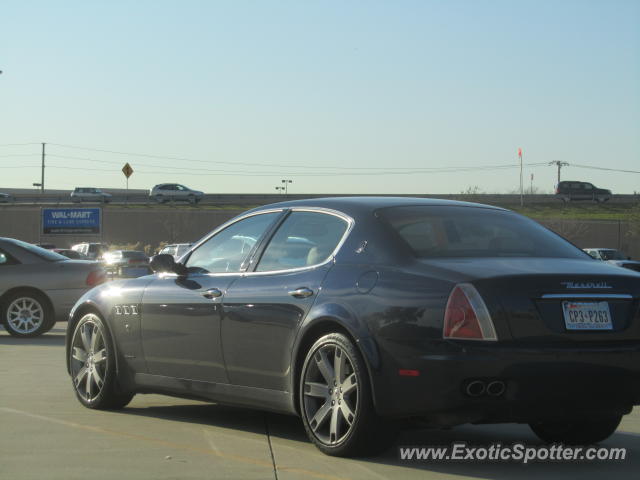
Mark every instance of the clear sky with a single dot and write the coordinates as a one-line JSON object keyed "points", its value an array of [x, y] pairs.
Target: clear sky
{"points": [[339, 96]]}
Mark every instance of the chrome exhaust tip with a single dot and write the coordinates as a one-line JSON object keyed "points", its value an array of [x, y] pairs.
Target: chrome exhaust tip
{"points": [[475, 388], [496, 388]]}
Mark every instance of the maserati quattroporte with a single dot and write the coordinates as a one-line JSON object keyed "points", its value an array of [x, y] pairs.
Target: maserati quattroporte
{"points": [[355, 312]]}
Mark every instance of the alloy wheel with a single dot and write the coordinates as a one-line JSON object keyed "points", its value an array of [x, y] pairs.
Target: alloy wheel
{"points": [[89, 359], [25, 315], [331, 400]]}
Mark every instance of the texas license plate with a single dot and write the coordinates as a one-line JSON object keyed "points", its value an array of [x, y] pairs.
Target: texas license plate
{"points": [[587, 316]]}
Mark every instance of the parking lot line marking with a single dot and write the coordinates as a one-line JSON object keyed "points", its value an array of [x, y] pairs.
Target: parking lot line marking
{"points": [[204, 451]]}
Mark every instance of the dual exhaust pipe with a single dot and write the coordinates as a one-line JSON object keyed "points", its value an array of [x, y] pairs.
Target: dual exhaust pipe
{"points": [[494, 388]]}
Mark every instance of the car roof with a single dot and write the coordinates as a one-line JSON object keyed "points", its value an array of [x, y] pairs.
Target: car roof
{"points": [[364, 204]]}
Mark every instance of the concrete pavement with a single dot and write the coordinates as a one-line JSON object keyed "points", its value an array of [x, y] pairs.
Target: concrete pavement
{"points": [[46, 434]]}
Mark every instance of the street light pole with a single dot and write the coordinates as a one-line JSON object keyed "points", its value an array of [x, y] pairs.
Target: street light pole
{"points": [[286, 183]]}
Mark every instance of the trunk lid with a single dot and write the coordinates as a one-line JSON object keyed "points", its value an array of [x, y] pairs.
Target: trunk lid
{"points": [[525, 296]]}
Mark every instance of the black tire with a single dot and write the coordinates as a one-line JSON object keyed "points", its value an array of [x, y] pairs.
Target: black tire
{"points": [[92, 365], [27, 314], [160, 199], [192, 199], [367, 433], [578, 431]]}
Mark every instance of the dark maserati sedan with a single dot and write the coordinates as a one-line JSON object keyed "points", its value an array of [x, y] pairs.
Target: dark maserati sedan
{"points": [[356, 312]]}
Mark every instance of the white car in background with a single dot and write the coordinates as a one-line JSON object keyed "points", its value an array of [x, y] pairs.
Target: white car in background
{"points": [[177, 250], [166, 192], [613, 256], [90, 194]]}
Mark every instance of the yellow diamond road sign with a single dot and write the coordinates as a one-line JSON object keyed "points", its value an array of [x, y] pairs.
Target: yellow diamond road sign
{"points": [[127, 170]]}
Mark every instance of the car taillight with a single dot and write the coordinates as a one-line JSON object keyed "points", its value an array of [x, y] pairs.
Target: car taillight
{"points": [[96, 277], [466, 316]]}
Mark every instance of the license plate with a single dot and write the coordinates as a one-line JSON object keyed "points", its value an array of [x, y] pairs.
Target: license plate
{"points": [[587, 316]]}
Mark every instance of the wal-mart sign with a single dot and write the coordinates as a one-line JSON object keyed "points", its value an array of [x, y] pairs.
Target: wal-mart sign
{"points": [[61, 221]]}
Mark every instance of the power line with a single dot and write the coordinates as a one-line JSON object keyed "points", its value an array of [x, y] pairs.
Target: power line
{"points": [[17, 144], [385, 171], [20, 155], [208, 172], [267, 165], [604, 168]]}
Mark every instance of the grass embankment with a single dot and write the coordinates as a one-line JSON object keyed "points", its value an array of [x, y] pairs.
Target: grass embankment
{"points": [[581, 211]]}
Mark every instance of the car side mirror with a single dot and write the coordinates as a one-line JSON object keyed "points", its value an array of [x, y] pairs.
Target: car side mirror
{"points": [[166, 263]]}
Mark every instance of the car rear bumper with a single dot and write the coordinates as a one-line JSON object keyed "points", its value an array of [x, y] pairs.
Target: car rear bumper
{"points": [[537, 384]]}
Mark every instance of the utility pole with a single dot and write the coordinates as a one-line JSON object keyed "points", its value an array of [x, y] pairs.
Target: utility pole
{"points": [[560, 164], [42, 177]]}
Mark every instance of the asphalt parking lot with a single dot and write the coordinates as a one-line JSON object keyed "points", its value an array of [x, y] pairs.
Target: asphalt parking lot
{"points": [[46, 434]]}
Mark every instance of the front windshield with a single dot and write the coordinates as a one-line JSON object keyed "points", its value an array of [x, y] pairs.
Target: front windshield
{"points": [[43, 253]]}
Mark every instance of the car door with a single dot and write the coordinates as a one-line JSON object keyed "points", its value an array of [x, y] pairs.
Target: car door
{"points": [[181, 314], [264, 308]]}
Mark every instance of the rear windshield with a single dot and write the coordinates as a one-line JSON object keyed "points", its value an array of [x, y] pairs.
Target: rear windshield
{"points": [[438, 232]]}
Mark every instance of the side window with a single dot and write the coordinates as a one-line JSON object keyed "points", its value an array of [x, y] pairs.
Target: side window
{"points": [[304, 239], [225, 251], [588, 186]]}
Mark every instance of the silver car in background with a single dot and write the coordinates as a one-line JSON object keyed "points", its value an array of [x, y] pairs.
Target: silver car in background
{"points": [[5, 198], [38, 287], [166, 192], [90, 194]]}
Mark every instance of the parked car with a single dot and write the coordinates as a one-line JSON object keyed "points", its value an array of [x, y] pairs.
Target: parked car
{"points": [[130, 263], [166, 192], [73, 254], [93, 251], [90, 194], [38, 287], [177, 250], [351, 312], [6, 198], [613, 256], [570, 190]]}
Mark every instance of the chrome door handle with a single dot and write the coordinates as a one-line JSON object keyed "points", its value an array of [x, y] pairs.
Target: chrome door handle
{"points": [[302, 292], [212, 293]]}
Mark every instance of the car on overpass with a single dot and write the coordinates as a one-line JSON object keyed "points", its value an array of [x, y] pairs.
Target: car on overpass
{"points": [[355, 312], [174, 192], [90, 194], [569, 191], [38, 287]]}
